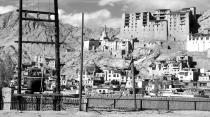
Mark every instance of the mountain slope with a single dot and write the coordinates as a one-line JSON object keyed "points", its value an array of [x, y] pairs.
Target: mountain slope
{"points": [[70, 36]]}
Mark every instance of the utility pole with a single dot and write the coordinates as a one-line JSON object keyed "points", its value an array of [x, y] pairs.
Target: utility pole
{"points": [[134, 83], [57, 47], [20, 47], [20, 53], [57, 56], [133, 76], [81, 68]]}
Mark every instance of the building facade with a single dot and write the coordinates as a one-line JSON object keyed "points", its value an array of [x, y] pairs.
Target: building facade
{"points": [[162, 24], [91, 44], [142, 26], [116, 48], [188, 75], [198, 43]]}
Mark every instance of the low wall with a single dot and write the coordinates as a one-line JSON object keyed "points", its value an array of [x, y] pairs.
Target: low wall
{"points": [[165, 103]]}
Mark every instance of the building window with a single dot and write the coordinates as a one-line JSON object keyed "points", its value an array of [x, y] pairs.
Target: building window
{"points": [[203, 84], [186, 84], [114, 75]]}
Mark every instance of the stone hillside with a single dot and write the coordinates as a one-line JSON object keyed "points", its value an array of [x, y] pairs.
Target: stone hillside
{"points": [[70, 37], [40, 31]]}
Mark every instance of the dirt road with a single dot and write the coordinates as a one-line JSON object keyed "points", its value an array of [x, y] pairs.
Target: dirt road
{"points": [[105, 114]]}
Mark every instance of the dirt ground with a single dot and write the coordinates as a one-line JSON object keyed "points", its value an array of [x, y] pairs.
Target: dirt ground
{"points": [[105, 114]]}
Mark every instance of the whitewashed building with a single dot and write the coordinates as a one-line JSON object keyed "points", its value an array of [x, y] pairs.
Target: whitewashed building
{"points": [[103, 90], [91, 44], [188, 75], [165, 68], [138, 82], [204, 78], [198, 43], [116, 48], [114, 75]]}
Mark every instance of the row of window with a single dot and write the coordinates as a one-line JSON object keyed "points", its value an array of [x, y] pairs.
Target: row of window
{"points": [[201, 38], [114, 75]]}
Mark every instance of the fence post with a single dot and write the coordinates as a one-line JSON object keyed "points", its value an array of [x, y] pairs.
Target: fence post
{"points": [[54, 102], [37, 103], [141, 104], [168, 105], [19, 102], [59, 102], [114, 103], [195, 105], [87, 103]]}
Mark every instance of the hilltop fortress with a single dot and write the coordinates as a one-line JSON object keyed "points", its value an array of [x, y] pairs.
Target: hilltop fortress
{"points": [[170, 30], [166, 25], [161, 24]]}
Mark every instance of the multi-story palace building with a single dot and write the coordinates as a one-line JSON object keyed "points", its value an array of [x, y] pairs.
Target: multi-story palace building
{"points": [[161, 24]]}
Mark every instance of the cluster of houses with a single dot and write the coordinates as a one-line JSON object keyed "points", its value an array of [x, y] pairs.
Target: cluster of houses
{"points": [[113, 46], [176, 73], [107, 80], [182, 69], [181, 73], [42, 71]]}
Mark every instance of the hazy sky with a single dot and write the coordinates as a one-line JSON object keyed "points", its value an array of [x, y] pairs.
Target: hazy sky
{"points": [[101, 12]]}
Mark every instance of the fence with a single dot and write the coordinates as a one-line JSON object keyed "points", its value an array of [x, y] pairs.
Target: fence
{"points": [[201, 104], [60, 102], [43, 102]]}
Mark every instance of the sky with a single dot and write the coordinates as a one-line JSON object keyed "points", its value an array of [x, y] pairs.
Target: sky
{"points": [[101, 12]]}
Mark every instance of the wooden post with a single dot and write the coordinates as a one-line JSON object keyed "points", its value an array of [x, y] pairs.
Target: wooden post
{"points": [[195, 105], [57, 55], [20, 53], [141, 105], [114, 103], [133, 77], [87, 104], [38, 103], [134, 85], [54, 103], [168, 105], [81, 68], [20, 47], [57, 47]]}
